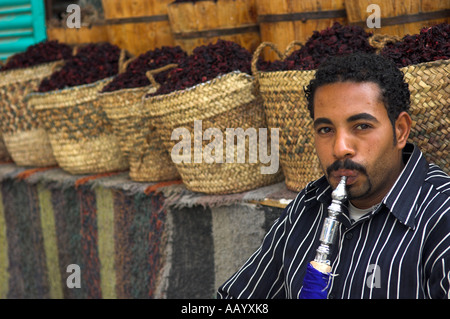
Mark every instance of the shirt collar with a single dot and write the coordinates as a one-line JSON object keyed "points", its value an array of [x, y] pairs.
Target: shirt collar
{"points": [[402, 198]]}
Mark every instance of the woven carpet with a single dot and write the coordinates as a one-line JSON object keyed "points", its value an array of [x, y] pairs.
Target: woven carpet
{"points": [[130, 240]]}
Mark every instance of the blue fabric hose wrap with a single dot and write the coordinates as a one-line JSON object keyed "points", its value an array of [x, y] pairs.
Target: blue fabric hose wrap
{"points": [[315, 284]]}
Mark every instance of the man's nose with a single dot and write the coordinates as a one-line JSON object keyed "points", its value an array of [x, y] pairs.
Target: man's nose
{"points": [[343, 146]]}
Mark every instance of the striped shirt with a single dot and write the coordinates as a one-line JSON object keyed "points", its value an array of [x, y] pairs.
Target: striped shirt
{"points": [[400, 250]]}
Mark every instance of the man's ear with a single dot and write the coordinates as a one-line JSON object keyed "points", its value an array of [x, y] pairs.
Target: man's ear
{"points": [[402, 129]]}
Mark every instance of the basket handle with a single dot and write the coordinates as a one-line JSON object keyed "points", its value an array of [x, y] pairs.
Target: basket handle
{"points": [[378, 41], [75, 49], [122, 63], [58, 65], [291, 46], [150, 73], [258, 51]]}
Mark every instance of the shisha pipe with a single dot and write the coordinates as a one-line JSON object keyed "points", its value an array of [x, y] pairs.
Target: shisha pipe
{"points": [[318, 272]]}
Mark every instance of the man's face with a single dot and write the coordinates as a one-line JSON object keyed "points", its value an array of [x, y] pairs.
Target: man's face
{"points": [[354, 137]]}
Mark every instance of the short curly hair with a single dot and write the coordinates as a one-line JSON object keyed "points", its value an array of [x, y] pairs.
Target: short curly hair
{"points": [[364, 67]]}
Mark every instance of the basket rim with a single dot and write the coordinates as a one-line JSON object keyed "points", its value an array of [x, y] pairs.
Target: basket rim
{"points": [[44, 100], [428, 63], [17, 75], [199, 86], [265, 73], [126, 90], [148, 101], [108, 98], [70, 88]]}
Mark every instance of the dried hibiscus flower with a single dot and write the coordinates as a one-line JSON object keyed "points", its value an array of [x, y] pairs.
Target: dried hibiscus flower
{"points": [[42, 52], [333, 41], [431, 44], [205, 63]]}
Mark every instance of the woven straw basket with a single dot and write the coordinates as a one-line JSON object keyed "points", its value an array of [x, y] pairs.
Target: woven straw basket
{"points": [[285, 107], [227, 101], [430, 107], [25, 138], [138, 138], [80, 134], [430, 104], [4, 154]]}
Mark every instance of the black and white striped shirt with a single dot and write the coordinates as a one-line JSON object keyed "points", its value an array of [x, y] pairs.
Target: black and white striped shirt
{"points": [[401, 250]]}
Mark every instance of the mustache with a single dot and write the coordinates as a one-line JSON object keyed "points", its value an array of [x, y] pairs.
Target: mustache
{"points": [[346, 164]]}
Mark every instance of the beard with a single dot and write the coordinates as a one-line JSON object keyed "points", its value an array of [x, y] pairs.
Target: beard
{"points": [[353, 191], [360, 192]]}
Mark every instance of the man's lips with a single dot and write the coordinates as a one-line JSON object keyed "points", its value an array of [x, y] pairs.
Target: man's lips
{"points": [[351, 175]]}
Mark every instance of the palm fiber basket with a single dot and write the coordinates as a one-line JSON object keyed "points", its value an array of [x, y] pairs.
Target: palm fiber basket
{"points": [[24, 136], [430, 107], [4, 154], [138, 139], [285, 108], [80, 134], [209, 108], [428, 84]]}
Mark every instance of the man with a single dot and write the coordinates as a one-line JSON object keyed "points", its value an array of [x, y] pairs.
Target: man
{"points": [[394, 237]]}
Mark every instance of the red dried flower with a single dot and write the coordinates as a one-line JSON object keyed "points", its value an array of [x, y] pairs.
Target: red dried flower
{"points": [[431, 44], [205, 63], [43, 52]]}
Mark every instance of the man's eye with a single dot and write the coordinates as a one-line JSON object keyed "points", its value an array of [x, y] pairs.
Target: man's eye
{"points": [[324, 130], [363, 126]]}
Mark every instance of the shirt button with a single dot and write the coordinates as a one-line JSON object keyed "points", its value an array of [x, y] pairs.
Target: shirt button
{"points": [[349, 236]]}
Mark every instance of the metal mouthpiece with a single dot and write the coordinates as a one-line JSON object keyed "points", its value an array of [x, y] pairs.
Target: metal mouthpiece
{"points": [[340, 193], [331, 223]]}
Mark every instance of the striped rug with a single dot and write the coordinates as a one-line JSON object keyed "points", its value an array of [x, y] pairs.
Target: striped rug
{"points": [[129, 240]]}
